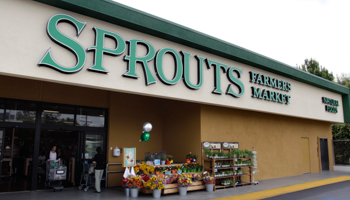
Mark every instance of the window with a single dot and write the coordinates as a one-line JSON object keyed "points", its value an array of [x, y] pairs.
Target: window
{"points": [[18, 111], [90, 117], [91, 143], [2, 109], [57, 114]]}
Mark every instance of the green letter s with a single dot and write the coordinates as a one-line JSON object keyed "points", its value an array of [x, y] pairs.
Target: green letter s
{"points": [[64, 41], [235, 81]]}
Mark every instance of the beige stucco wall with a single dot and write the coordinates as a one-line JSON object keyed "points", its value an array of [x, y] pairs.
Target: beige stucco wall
{"points": [[277, 139], [180, 127], [25, 41]]}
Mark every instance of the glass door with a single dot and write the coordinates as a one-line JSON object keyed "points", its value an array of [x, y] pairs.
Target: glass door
{"points": [[92, 141], [2, 136]]}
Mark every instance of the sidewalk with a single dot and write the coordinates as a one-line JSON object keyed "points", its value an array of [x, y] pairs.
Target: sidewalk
{"points": [[118, 193]]}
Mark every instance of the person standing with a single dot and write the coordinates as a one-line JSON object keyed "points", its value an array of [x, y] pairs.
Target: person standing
{"points": [[52, 155], [99, 167]]}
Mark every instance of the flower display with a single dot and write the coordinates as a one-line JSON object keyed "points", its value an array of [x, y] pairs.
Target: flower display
{"points": [[196, 177], [207, 178], [124, 182], [135, 182], [144, 168], [184, 180], [155, 183]]}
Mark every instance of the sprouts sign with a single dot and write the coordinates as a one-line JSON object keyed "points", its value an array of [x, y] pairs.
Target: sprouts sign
{"points": [[235, 88]]}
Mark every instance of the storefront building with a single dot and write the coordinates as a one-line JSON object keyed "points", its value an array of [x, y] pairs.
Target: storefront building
{"points": [[121, 67]]}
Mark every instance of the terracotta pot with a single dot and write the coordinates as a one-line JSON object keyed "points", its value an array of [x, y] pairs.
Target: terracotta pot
{"points": [[211, 182], [188, 161], [157, 173], [173, 171]]}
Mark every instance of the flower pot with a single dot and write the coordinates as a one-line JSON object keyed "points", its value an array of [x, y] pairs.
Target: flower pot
{"points": [[209, 187], [157, 173], [162, 162], [134, 192], [211, 182], [157, 193], [183, 191], [127, 192], [188, 161], [173, 171]]}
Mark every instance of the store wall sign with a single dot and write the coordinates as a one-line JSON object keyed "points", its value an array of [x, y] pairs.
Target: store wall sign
{"points": [[270, 95], [181, 60], [332, 105]]}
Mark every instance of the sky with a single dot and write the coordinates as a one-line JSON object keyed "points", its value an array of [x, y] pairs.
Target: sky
{"points": [[288, 31]]}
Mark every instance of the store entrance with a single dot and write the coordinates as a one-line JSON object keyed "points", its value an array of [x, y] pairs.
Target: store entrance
{"points": [[16, 159], [67, 148], [73, 148]]}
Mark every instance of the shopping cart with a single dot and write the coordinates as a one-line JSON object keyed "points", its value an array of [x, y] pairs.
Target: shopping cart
{"points": [[87, 178], [55, 174]]}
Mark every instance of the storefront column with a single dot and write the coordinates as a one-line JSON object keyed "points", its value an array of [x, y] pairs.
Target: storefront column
{"points": [[36, 146]]}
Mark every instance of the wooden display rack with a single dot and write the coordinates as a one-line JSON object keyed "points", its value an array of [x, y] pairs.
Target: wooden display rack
{"points": [[219, 147], [173, 188]]}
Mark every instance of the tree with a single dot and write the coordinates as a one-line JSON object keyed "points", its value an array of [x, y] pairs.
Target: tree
{"points": [[313, 67], [341, 143], [344, 79]]}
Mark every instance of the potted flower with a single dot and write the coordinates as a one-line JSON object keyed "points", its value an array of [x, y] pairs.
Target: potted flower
{"points": [[188, 158], [183, 182], [162, 158], [135, 183], [156, 184], [209, 181], [157, 170], [169, 159], [194, 158], [196, 177], [126, 187], [199, 168]]}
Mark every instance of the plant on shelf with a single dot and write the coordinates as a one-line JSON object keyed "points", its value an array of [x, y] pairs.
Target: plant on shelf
{"points": [[221, 155], [194, 158], [231, 183], [162, 158], [157, 170], [238, 181], [207, 153], [147, 157], [169, 159], [225, 182], [179, 167]]}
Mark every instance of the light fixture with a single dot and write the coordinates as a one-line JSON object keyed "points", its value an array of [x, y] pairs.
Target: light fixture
{"points": [[51, 111]]}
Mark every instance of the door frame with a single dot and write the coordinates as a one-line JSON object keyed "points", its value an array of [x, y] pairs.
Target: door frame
{"points": [[38, 126], [329, 167], [2, 150]]}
